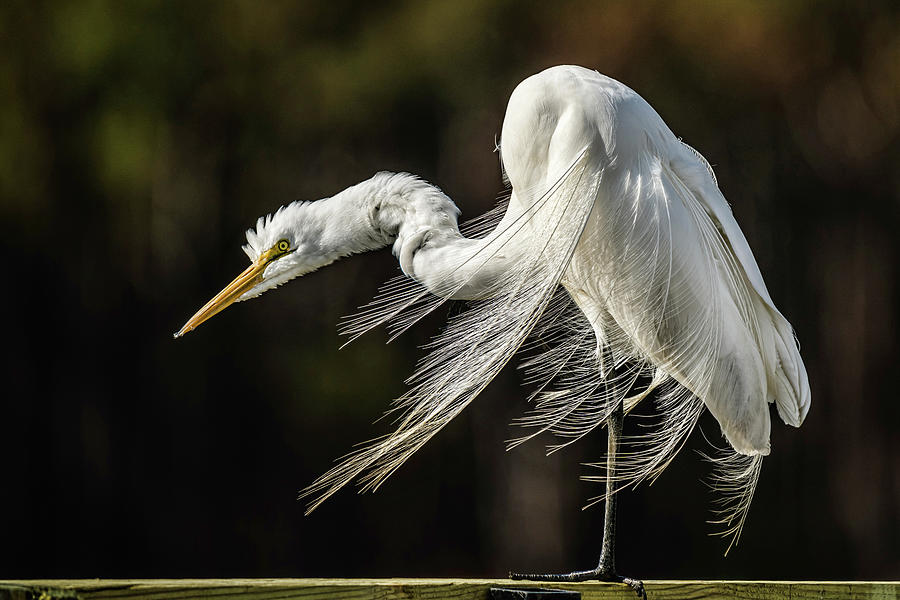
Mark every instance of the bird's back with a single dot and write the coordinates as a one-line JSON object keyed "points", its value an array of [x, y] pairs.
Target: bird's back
{"points": [[661, 269]]}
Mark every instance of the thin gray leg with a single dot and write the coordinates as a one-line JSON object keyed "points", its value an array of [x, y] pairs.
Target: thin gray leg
{"points": [[606, 568]]}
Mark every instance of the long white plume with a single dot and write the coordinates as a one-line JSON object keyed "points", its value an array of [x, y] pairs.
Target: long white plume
{"points": [[634, 281], [477, 343]]}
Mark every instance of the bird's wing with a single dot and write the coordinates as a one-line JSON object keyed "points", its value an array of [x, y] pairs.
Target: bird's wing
{"points": [[670, 308], [786, 374], [477, 343]]}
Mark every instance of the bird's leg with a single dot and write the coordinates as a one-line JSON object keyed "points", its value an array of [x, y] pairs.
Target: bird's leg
{"points": [[606, 568], [607, 563]]}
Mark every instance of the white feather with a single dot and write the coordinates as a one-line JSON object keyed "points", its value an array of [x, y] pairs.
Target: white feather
{"points": [[479, 342], [616, 252]]}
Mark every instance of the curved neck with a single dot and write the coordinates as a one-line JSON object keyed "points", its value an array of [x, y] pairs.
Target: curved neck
{"points": [[421, 223]]}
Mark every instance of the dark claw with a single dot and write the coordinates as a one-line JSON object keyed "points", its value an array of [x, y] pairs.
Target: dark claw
{"points": [[637, 585]]}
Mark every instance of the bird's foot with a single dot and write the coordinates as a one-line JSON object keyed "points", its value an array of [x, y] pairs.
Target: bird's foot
{"points": [[597, 574]]}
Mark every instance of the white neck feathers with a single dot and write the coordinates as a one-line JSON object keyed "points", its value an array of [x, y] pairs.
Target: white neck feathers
{"points": [[390, 208]]}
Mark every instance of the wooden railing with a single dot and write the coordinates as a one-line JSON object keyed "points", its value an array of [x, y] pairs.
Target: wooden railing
{"points": [[429, 589]]}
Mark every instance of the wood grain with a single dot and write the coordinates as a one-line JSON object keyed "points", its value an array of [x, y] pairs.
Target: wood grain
{"points": [[428, 589]]}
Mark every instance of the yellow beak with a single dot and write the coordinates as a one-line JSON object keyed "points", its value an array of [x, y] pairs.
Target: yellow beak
{"points": [[234, 290]]}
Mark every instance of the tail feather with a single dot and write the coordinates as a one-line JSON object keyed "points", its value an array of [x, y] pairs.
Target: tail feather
{"points": [[792, 395], [734, 478]]}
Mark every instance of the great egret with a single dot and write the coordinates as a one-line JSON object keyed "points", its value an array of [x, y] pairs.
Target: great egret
{"points": [[617, 249]]}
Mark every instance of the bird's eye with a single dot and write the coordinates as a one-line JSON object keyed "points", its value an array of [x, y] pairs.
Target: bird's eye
{"points": [[283, 246]]}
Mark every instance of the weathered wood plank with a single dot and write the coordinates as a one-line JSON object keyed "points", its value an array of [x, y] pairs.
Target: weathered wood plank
{"points": [[429, 589]]}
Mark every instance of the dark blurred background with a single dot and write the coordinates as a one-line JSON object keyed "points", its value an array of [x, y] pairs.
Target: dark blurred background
{"points": [[138, 140]]}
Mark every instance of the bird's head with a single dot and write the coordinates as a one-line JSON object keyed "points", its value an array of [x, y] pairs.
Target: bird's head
{"points": [[304, 236], [284, 245]]}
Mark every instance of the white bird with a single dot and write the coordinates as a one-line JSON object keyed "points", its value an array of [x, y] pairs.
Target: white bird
{"points": [[616, 249]]}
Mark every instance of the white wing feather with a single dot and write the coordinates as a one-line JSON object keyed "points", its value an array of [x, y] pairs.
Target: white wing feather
{"points": [[787, 379]]}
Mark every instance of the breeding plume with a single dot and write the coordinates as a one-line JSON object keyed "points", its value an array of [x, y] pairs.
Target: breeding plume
{"points": [[616, 250]]}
